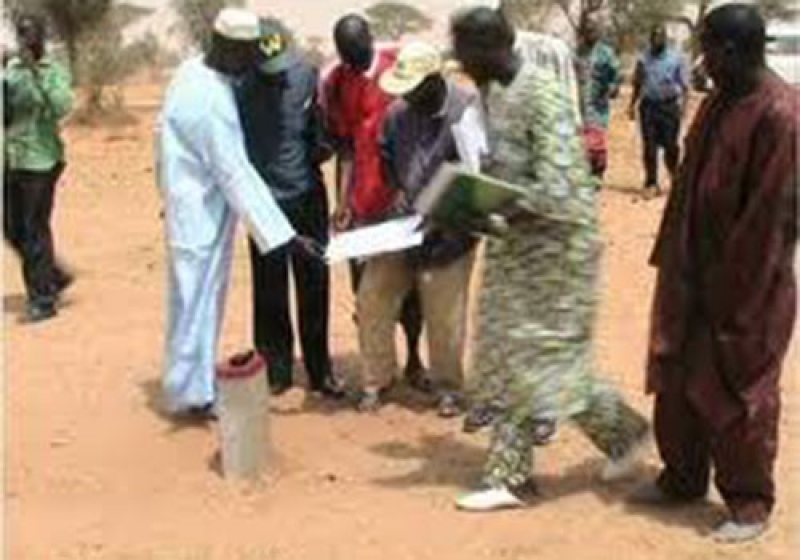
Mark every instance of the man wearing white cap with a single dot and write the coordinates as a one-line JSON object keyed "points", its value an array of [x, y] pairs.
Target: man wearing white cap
{"points": [[417, 139], [207, 181]]}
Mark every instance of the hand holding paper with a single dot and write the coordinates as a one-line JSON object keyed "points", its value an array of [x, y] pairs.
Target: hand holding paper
{"points": [[388, 237]]}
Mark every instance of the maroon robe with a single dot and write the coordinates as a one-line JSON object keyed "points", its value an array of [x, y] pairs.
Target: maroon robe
{"points": [[724, 305]]}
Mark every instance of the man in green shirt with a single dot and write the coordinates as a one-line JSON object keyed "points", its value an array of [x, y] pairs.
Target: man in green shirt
{"points": [[38, 96]]}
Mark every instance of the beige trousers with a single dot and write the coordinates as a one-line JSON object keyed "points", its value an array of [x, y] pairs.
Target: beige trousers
{"points": [[444, 293]]}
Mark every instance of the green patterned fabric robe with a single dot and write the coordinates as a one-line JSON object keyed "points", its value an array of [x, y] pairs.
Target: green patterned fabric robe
{"points": [[537, 307]]}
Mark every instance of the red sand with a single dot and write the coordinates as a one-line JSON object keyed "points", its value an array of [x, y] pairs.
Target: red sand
{"points": [[95, 473]]}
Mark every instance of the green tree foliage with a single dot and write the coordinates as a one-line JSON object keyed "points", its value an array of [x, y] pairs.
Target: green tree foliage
{"points": [[392, 20], [778, 8], [70, 19], [628, 19], [314, 52], [196, 18], [91, 33], [632, 20]]}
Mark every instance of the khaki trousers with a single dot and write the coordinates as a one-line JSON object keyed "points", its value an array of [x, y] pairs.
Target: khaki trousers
{"points": [[444, 294]]}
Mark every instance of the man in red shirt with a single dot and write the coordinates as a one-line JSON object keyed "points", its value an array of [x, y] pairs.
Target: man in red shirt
{"points": [[355, 107]]}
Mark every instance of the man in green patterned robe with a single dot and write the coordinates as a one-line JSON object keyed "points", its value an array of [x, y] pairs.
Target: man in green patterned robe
{"points": [[534, 352]]}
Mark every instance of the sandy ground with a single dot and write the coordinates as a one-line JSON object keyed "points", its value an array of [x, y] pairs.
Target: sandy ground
{"points": [[94, 472]]}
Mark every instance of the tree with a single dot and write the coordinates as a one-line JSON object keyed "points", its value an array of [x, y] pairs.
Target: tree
{"points": [[777, 8], [71, 19], [101, 66], [530, 14], [314, 51], [633, 19], [392, 20], [628, 19], [537, 13], [196, 18], [770, 9]]}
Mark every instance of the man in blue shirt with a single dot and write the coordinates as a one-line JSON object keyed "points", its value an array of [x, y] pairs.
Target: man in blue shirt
{"points": [[660, 89], [285, 142]]}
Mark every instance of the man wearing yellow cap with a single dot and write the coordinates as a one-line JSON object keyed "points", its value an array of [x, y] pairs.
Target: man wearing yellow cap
{"points": [[207, 181], [417, 139]]}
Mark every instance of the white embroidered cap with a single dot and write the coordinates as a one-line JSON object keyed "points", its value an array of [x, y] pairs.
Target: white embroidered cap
{"points": [[237, 24]]}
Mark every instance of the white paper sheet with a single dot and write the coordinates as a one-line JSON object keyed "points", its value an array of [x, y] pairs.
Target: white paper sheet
{"points": [[388, 237]]}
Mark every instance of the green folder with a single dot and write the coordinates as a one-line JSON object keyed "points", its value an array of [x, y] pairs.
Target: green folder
{"points": [[456, 196]]}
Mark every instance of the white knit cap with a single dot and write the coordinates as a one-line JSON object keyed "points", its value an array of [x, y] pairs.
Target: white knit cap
{"points": [[237, 24]]}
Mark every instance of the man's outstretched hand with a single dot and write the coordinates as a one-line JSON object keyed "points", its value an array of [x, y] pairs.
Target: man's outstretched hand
{"points": [[307, 246]]}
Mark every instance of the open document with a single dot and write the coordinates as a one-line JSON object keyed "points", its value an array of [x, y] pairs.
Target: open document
{"points": [[388, 237]]}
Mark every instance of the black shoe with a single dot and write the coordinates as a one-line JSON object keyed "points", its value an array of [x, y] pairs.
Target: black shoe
{"points": [[479, 417], [198, 413], [38, 312], [419, 380], [544, 432], [369, 401], [450, 405], [62, 280], [278, 389], [330, 389]]}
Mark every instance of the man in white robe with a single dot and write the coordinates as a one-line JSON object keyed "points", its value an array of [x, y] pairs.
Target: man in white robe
{"points": [[207, 182]]}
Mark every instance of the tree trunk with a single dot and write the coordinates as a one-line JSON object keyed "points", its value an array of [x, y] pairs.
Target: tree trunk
{"points": [[71, 45]]}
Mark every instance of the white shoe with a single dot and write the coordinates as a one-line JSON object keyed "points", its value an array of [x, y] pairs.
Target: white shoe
{"points": [[491, 499], [733, 532], [627, 465]]}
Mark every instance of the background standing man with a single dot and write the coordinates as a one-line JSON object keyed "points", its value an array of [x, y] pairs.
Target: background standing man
{"points": [[355, 107], [599, 77], [725, 299], [37, 96], [660, 90], [285, 141]]}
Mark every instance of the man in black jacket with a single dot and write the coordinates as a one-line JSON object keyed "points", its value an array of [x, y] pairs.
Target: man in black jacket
{"points": [[285, 142]]}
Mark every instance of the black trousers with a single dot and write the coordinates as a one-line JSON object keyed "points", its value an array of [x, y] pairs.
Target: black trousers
{"points": [[273, 333], [28, 198], [661, 127]]}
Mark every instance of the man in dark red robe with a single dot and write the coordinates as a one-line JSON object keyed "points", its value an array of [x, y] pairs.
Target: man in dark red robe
{"points": [[724, 305]]}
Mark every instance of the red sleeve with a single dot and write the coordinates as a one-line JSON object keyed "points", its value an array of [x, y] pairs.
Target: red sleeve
{"points": [[331, 96], [371, 197]]}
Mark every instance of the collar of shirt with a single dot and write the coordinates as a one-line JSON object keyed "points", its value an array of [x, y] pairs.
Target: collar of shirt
{"points": [[448, 100], [44, 62]]}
